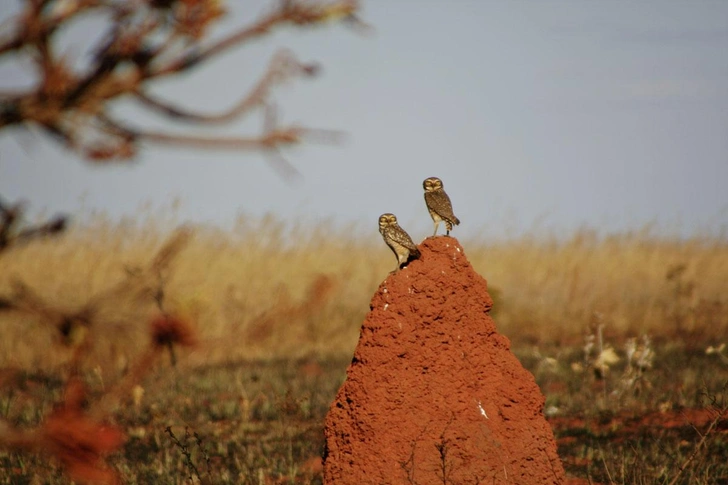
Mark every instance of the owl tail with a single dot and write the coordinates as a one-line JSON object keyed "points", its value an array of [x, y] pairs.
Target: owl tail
{"points": [[414, 254], [456, 221]]}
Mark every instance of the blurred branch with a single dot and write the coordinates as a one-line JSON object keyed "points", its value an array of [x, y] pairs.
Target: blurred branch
{"points": [[11, 233], [286, 136], [283, 66], [146, 282], [147, 41], [289, 11]]}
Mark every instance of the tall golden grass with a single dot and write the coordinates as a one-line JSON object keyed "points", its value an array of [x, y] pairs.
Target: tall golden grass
{"points": [[268, 289], [631, 283]]}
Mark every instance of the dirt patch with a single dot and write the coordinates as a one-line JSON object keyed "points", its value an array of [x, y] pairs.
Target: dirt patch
{"points": [[627, 424], [433, 394]]}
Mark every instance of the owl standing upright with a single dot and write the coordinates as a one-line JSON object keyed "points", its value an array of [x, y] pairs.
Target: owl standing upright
{"points": [[397, 239], [439, 205]]}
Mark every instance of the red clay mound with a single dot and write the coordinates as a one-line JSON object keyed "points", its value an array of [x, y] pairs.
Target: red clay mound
{"points": [[433, 394]]}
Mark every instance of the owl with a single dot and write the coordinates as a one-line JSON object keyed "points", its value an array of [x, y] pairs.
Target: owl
{"points": [[439, 205], [398, 240]]}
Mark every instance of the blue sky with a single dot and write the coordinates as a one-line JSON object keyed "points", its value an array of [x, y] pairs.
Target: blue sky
{"points": [[536, 114]]}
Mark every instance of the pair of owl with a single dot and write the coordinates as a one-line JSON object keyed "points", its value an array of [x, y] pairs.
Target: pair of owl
{"points": [[440, 207]]}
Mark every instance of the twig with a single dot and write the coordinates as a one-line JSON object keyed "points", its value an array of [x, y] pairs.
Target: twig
{"points": [[718, 418], [284, 136], [606, 467], [185, 449]]}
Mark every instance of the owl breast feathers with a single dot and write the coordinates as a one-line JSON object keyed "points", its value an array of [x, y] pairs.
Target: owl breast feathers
{"points": [[438, 204], [397, 239]]}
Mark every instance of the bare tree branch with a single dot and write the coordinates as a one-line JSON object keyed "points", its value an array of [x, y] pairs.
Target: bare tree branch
{"points": [[146, 42], [283, 66]]}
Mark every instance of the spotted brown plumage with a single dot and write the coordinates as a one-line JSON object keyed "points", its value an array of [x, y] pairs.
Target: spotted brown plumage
{"points": [[439, 205]]}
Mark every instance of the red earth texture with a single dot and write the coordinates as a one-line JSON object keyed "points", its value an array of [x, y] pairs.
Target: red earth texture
{"points": [[433, 394]]}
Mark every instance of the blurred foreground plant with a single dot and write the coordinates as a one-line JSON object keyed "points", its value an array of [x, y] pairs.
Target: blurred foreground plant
{"points": [[77, 433], [70, 435]]}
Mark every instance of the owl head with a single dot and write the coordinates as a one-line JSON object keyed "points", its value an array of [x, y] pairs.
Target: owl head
{"points": [[431, 184], [387, 220]]}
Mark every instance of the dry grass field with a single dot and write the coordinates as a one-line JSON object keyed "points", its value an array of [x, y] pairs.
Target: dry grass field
{"points": [[623, 334]]}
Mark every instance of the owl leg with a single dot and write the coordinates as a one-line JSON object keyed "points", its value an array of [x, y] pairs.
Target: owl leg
{"points": [[437, 223], [402, 258], [399, 262], [448, 227]]}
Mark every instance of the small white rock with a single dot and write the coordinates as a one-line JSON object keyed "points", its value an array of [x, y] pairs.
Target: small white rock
{"points": [[482, 411]]}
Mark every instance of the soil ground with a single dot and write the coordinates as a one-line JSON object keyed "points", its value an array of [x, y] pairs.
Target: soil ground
{"points": [[265, 419]]}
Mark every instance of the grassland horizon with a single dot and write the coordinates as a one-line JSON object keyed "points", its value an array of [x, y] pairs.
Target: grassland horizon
{"points": [[271, 289]]}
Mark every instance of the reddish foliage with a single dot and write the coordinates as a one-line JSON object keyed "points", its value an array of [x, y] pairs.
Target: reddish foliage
{"points": [[195, 16], [168, 330], [79, 442]]}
